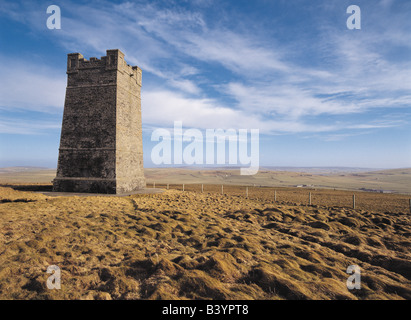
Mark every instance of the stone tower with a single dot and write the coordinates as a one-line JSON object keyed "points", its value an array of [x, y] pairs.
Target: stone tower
{"points": [[101, 147]]}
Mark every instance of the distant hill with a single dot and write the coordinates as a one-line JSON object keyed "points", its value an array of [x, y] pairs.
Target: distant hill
{"points": [[391, 180]]}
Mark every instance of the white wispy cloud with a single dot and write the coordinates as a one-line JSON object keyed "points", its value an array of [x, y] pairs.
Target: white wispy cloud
{"points": [[164, 107], [11, 125], [31, 86], [270, 90]]}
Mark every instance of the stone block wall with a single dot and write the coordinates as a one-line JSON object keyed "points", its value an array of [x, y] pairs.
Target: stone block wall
{"points": [[101, 148]]}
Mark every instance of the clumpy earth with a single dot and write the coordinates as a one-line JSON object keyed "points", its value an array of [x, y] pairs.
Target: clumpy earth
{"points": [[189, 245]]}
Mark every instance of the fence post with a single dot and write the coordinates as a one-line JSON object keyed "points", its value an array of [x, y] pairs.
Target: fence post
{"points": [[167, 186], [353, 201], [310, 198], [202, 188], [183, 186], [275, 195], [222, 189], [246, 192]]}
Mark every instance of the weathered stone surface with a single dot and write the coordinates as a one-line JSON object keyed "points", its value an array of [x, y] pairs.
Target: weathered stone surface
{"points": [[101, 147]]}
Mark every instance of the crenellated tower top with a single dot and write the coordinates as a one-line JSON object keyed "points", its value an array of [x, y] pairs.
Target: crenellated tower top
{"points": [[114, 60]]}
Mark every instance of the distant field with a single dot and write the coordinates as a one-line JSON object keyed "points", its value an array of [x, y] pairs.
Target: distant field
{"points": [[395, 180], [368, 201], [26, 175]]}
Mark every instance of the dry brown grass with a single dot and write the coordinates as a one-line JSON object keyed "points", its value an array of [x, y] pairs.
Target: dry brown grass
{"points": [[371, 201], [188, 245]]}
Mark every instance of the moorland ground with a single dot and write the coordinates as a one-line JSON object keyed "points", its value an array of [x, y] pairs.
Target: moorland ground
{"points": [[193, 245]]}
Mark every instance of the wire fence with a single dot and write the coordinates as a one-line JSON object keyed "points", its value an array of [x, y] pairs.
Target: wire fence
{"points": [[367, 201]]}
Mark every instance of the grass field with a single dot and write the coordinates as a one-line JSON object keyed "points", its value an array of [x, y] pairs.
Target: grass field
{"points": [[396, 180], [373, 201]]}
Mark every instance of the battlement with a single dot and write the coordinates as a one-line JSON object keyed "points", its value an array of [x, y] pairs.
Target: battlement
{"points": [[113, 61]]}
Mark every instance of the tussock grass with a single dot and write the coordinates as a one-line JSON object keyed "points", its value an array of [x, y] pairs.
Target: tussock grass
{"points": [[189, 245]]}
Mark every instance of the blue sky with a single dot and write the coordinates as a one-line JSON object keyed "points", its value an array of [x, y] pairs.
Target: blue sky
{"points": [[320, 94]]}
